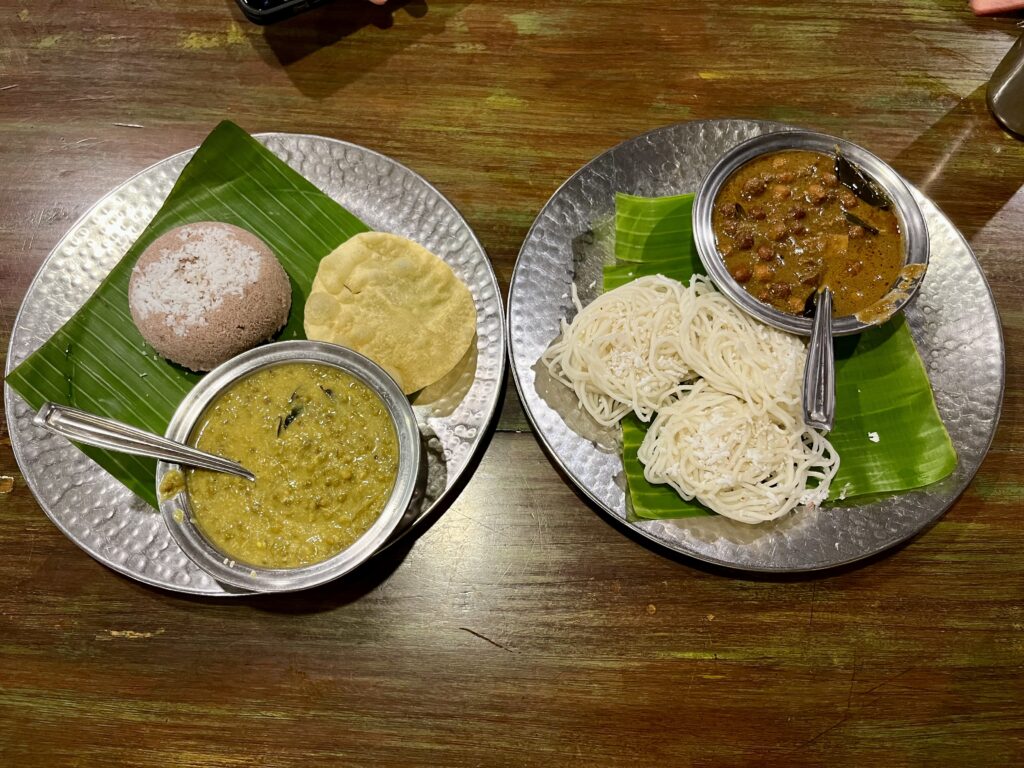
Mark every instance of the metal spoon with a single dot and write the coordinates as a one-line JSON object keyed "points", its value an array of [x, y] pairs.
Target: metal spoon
{"points": [[820, 370], [102, 432]]}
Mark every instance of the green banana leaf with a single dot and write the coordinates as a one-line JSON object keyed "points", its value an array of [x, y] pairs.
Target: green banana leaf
{"points": [[98, 361], [888, 432]]}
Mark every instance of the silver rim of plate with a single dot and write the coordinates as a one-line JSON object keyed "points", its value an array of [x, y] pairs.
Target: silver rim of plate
{"points": [[953, 321], [116, 527]]}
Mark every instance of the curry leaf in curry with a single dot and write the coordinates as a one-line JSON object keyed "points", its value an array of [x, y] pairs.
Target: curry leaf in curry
{"points": [[853, 178], [857, 221]]}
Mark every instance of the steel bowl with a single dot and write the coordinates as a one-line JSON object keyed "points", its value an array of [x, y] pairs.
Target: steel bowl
{"points": [[912, 225], [177, 511]]}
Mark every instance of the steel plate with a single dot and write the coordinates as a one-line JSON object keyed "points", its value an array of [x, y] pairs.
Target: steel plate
{"points": [[953, 321], [112, 524]]}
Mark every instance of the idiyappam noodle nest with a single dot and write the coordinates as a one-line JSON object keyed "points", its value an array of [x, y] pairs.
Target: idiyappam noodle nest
{"points": [[723, 390]]}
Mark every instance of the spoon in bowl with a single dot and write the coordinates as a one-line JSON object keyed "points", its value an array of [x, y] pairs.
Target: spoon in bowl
{"points": [[88, 428], [819, 395]]}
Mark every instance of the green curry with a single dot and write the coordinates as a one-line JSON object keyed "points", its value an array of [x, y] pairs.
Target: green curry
{"points": [[324, 451]]}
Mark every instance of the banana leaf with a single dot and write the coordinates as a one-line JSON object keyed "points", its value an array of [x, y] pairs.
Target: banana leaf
{"points": [[98, 360], [652, 229], [887, 432]]}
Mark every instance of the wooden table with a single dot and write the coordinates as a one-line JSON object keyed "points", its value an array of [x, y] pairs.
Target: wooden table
{"points": [[522, 628]]}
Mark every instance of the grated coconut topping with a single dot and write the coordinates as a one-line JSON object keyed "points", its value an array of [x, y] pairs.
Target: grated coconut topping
{"points": [[188, 283]]}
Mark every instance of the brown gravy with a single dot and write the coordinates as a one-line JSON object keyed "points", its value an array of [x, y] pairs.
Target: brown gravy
{"points": [[785, 226]]}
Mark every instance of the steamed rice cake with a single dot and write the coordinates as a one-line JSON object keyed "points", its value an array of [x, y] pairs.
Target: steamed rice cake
{"points": [[394, 301], [205, 292]]}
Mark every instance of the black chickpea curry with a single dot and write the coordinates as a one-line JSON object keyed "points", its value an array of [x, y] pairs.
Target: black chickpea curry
{"points": [[791, 222]]}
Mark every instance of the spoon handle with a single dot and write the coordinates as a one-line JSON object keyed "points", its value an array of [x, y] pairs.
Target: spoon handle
{"points": [[820, 369], [102, 432]]}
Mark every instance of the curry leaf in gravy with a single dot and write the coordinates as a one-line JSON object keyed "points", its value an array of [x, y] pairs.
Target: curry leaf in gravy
{"points": [[858, 182], [293, 414], [811, 305], [297, 406], [857, 221]]}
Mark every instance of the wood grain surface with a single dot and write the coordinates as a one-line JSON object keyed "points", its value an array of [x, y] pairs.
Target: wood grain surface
{"points": [[521, 628]]}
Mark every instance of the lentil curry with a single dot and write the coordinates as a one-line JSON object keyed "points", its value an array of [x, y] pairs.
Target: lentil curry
{"points": [[324, 451], [789, 222]]}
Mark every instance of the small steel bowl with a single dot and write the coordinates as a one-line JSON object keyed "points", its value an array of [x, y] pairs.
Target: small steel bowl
{"points": [[177, 512], [912, 224]]}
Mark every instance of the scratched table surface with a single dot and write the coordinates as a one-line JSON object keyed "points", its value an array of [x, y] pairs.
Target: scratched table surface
{"points": [[521, 627]]}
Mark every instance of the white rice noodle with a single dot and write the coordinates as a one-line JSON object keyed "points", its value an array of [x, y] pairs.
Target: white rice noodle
{"points": [[744, 462], [729, 428], [621, 352], [737, 354]]}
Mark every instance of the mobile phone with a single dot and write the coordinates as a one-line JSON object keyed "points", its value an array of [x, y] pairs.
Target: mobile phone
{"points": [[269, 11]]}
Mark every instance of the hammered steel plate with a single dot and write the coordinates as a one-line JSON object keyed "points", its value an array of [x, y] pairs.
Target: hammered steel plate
{"points": [[116, 527], [953, 321]]}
